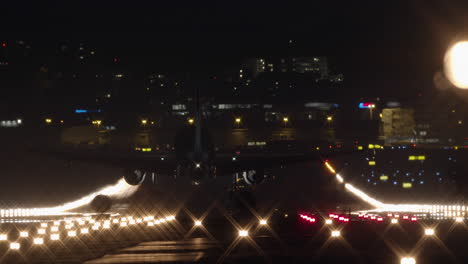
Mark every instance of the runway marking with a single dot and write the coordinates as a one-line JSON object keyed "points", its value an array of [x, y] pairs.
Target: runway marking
{"points": [[160, 251]]}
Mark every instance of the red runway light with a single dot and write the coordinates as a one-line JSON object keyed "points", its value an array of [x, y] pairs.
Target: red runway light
{"points": [[405, 217], [380, 219], [414, 219]]}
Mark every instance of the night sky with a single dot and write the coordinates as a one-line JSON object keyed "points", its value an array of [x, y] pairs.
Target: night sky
{"points": [[384, 49]]}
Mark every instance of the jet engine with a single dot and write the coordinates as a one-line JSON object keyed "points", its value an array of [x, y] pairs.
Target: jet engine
{"points": [[101, 203], [253, 177], [134, 176]]}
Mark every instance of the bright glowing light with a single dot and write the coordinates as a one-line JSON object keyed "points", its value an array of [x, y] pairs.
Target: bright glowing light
{"points": [[459, 219], [330, 168], [72, 233], [429, 232], [243, 233], [191, 121], [123, 224], [38, 241], [44, 225], [24, 234], [150, 224], [394, 221], [119, 190], [56, 223], [335, 233], [364, 196], [157, 222], [95, 227], [115, 221], [339, 178], [84, 231], [238, 120], [41, 231], [3, 237], [263, 222], [198, 223], [162, 220], [456, 64], [54, 229], [54, 237], [15, 246], [408, 260]]}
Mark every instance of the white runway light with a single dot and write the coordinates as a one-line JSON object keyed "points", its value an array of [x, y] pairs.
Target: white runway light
{"points": [[24, 234], [38, 241], [198, 223], [335, 233], [15, 246], [243, 233], [459, 219], [84, 231], [408, 260], [263, 222], [3, 237], [429, 232], [394, 221], [328, 222], [55, 237]]}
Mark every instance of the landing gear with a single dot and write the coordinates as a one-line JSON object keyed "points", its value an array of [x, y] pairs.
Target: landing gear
{"points": [[241, 200]]}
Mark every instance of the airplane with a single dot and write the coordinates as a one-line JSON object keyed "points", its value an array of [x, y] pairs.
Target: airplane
{"points": [[195, 160]]}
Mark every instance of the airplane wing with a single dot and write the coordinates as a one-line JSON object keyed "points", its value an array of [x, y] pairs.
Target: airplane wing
{"points": [[232, 163], [161, 162], [165, 162]]}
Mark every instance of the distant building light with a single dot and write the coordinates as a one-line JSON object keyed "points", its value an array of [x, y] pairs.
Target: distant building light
{"points": [[366, 105], [407, 185], [81, 111], [48, 120]]}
